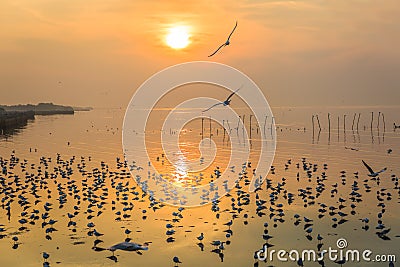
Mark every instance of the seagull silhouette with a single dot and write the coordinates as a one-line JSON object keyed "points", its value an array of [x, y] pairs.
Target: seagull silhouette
{"points": [[176, 260], [226, 102], [371, 171], [226, 43]]}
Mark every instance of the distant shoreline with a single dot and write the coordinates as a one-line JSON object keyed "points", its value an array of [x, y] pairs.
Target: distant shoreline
{"points": [[82, 108], [44, 108], [16, 116], [40, 109], [13, 119]]}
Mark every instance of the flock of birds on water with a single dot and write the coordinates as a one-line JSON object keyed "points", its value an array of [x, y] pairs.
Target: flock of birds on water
{"points": [[31, 192]]}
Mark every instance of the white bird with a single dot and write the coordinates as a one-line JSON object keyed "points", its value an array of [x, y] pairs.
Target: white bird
{"points": [[371, 171], [226, 102], [226, 43], [128, 246]]}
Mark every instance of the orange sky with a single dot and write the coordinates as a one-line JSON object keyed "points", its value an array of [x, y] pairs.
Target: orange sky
{"points": [[310, 52]]}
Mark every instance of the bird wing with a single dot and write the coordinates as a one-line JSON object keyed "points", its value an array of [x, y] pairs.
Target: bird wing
{"points": [[212, 106], [384, 169], [229, 97], [121, 246], [234, 28], [217, 50], [368, 167]]}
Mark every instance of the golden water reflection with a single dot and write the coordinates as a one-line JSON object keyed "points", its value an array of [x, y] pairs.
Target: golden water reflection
{"points": [[95, 144]]}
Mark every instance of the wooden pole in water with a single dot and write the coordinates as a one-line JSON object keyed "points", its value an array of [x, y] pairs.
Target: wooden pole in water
{"points": [[372, 119], [223, 126], [329, 122], [202, 128], [229, 127], [250, 124], [312, 119], [329, 127], [210, 128], [244, 125], [384, 123], [338, 127], [358, 120], [265, 124], [379, 115], [319, 125], [272, 124], [354, 119]]}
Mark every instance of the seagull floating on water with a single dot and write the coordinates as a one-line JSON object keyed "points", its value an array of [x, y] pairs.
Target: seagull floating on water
{"points": [[371, 171], [45, 255], [226, 43], [127, 246], [226, 102], [200, 237], [176, 260]]}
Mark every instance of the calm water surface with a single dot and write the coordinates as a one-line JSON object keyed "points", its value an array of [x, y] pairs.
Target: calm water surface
{"points": [[89, 143]]}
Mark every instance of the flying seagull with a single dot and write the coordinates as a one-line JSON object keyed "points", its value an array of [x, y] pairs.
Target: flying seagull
{"points": [[226, 102], [371, 171], [226, 43]]}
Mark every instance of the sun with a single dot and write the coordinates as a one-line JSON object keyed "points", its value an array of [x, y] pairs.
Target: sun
{"points": [[178, 37]]}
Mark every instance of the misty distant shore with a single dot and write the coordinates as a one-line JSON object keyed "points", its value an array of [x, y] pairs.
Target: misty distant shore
{"points": [[82, 108], [40, 109], [14, 119], [15, 116]]}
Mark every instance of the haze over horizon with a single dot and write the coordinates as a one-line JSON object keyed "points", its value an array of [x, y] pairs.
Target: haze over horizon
{"points": [[300, 53]]}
